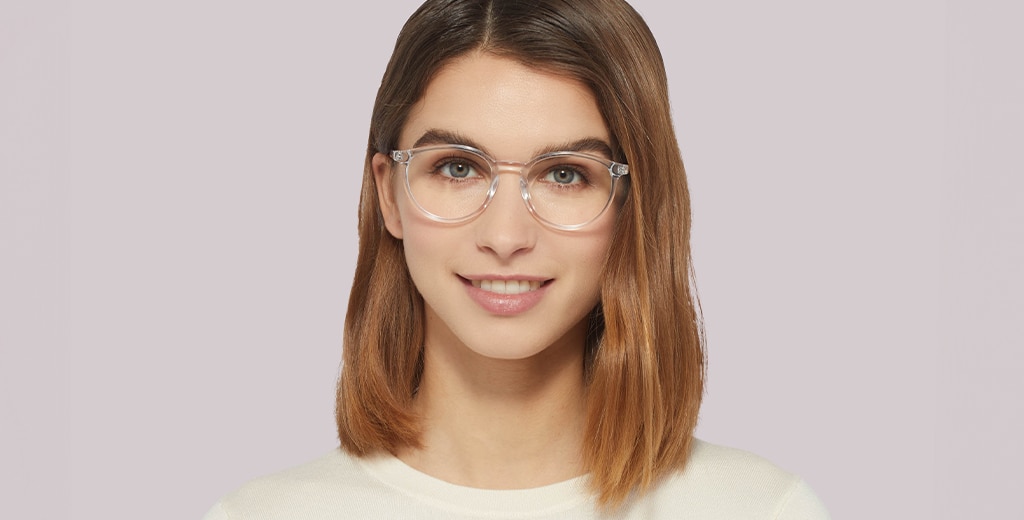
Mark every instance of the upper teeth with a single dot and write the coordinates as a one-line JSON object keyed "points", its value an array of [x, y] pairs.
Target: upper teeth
{"points": [[506, 286]]}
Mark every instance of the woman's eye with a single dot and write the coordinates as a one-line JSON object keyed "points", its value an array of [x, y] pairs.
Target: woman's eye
{"points": [[564, 175], [458, 170]]}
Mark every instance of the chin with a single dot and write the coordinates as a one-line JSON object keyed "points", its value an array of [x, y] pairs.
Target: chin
{"points": [[509, 353], [522, 348]]}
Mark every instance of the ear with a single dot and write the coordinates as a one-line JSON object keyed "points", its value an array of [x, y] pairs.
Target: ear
{"points": [[383, 175]]}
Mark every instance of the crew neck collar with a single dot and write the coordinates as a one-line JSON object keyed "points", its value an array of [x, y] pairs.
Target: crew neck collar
{"points": [[547, 499]]}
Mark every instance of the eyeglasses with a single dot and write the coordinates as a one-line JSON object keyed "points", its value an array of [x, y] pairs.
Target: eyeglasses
{"points": [[453, 183]]}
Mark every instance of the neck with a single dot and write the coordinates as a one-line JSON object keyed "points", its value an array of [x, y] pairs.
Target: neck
{"points": [[500, 424]]}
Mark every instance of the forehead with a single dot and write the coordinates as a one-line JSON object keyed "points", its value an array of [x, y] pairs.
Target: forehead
{"points": [[509, 109]]}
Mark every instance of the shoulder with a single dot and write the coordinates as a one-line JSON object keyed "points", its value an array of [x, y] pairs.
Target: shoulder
{"points": [[722, 482], [333, 482]]}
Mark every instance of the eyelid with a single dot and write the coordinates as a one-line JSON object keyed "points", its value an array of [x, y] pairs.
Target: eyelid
{"points": [[617, 169], [455, 158]]}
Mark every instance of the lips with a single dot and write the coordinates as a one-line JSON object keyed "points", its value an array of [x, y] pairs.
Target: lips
{"points": [[506, 296]]}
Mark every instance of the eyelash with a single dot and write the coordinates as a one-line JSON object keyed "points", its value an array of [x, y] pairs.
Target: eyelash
{"points": [[584, 179], [447, 161]]}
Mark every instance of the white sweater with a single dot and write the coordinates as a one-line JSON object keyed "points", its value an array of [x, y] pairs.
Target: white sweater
{"points": [[717, 483]]}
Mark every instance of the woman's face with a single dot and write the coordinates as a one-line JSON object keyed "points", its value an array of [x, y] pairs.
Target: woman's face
{"points": [[513, 113]]}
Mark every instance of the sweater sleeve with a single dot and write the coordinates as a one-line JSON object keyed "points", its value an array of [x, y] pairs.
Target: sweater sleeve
{"points": [[802, 504]]}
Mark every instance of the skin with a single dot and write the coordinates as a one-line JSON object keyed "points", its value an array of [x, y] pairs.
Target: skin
{"points": [[501, 396]]}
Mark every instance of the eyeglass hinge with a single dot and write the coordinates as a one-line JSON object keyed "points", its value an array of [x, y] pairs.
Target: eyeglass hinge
{"points": [[399, 156]]}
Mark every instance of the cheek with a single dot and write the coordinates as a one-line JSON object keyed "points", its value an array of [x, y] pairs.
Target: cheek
{"points": [[589, 256], [598, 238], [427, 245], [597, 259]]}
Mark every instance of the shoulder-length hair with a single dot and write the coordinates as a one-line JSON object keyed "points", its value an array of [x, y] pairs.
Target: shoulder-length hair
{"points": [[645, 357]]}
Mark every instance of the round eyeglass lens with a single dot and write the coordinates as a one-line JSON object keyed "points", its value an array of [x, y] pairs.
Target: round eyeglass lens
{"points": [[569, 189], [449, 183]]}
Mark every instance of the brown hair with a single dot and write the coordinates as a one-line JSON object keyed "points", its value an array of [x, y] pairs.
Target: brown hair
{"points": [[645, 360]]}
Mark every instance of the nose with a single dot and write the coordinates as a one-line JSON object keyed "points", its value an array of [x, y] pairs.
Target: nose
{"points": [[506, 227]]}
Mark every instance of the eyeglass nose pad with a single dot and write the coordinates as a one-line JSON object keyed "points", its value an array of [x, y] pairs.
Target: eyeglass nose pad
{"points": [[524, 190], [491, 190]]}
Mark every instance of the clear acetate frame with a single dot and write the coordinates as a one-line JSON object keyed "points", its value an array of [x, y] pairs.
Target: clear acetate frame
{"points": [[603, 176]]}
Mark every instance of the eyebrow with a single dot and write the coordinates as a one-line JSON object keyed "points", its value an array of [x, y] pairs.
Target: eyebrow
{"points": [[436, 136]]}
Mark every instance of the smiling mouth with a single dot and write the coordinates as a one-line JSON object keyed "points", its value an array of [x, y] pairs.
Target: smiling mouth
{"points": [[507, 286]]}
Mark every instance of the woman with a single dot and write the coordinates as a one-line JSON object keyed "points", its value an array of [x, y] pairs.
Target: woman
{"points": [[522, 339]]}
